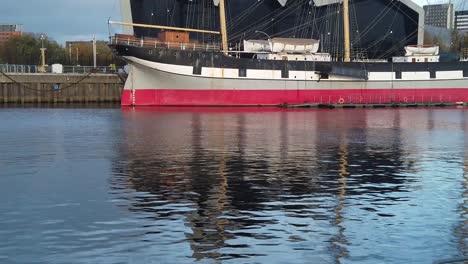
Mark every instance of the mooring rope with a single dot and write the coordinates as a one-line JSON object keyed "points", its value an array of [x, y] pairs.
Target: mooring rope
{"points": [[46, 90], [122, 78]]}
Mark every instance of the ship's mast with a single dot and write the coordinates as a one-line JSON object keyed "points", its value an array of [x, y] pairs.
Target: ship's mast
{"points": [[347, 45], [222, 20]]}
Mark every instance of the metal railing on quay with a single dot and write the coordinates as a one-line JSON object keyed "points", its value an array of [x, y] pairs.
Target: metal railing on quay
{"points": [[13, 68], [31, 69], [154, 43], [88, 69]]}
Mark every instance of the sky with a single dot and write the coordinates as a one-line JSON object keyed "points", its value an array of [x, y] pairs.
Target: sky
{"points": [[62, 20], [65, 20]]}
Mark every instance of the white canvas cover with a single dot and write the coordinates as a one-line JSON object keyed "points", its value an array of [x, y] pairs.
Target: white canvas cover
{"points": [[295, 45], [257, 45], [422, 50], [282, 2], [283, 45]]}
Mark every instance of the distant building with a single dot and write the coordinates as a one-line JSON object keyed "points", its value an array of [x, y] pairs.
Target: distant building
{"points": [[7, 31], [442, 16], [461, 21]]}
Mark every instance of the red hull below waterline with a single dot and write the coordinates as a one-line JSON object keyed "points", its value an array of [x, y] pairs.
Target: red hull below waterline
{"points": [[181, 97]]}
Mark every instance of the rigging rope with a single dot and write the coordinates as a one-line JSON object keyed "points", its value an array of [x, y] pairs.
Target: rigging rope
{"points": [[267, 21], [375, 21], [403, 42], [308, 21]]}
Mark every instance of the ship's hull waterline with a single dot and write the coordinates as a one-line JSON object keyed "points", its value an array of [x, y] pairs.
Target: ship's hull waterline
{"points": [[149, 86]]}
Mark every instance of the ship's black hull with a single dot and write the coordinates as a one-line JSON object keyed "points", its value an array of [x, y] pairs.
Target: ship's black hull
{"points": [[200, 59]]}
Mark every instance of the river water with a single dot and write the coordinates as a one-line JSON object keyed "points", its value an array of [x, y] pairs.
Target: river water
{"points": [[245, 185]]}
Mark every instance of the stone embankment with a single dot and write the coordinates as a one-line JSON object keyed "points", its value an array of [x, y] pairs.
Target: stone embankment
{"points": [[16, 88]]}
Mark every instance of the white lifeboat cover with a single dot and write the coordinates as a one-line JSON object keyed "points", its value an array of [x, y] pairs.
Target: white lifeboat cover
{"points": [[422, 50], [255, 45], [282, 2], [283, 45], [295, 45]]}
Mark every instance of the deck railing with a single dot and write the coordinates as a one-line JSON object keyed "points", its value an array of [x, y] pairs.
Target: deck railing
{"points": [[154, 43]]}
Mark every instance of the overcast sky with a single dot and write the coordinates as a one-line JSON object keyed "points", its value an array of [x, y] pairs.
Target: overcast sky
{"points": [[62, 19], [74, 19]]}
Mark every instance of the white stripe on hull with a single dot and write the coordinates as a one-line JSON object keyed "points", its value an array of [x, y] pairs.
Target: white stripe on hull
{"points": [[152, 75]]}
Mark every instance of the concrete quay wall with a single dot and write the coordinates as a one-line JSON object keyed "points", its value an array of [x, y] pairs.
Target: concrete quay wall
{"points": [[60, 88]]}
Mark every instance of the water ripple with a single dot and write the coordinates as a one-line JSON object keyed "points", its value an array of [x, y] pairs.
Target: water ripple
{"points": [[233, 185]]}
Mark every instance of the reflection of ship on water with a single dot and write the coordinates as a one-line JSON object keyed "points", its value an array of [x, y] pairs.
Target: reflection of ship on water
{"points": [[461, 231], [464, 206], [230, 168]]}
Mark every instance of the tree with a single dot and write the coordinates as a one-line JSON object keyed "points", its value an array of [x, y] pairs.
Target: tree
{"points": [[25, 50], [456, 42]]}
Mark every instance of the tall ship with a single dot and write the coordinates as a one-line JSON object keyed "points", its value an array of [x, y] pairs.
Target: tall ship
{"points": [[282, 52]]}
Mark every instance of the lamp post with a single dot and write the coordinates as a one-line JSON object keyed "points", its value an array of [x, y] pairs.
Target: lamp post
{"points": [[269, 39], [77, 56], [94, 52], [70, 52], [42, 68]]}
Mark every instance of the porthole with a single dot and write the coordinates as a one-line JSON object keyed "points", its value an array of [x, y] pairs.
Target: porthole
{"points": [[150, 52]]}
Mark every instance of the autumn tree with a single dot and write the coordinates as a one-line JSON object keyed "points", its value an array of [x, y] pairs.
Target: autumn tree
{"points": [[81, 53], [457, 42], [25, 50]]}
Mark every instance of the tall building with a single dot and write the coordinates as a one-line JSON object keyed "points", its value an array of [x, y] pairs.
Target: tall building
{"points": [[442, 15], [7, 31], [461, 21]]}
